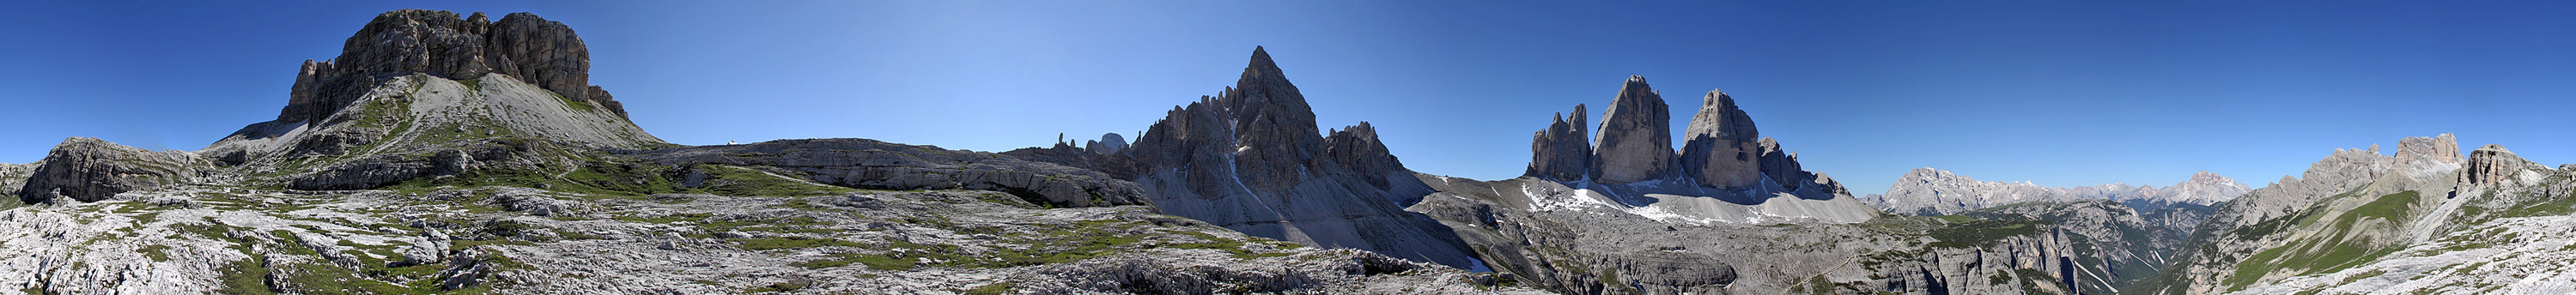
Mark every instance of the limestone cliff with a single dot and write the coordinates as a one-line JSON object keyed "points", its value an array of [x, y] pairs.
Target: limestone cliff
{"points": [[1562, 152], [439, 43], [1721, 147], [1635, 142]]}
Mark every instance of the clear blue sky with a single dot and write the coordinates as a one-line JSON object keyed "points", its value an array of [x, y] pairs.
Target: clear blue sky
{"points": [[2057, 92]]}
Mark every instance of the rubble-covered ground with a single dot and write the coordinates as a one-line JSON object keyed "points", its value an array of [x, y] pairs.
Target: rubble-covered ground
{"points": [[516, 240]]}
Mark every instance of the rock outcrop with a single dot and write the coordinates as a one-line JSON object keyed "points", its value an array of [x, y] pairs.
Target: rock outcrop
{"points": [[2124, 246], [2493, 164], [1249, 159], [1635, 142], [439, 43], [1562, 152], [88, 170], [14, 177], [1721, 147], [864, 163]]}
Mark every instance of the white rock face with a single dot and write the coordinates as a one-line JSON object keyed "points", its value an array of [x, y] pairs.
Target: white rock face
{"points": [[1927, 191]]}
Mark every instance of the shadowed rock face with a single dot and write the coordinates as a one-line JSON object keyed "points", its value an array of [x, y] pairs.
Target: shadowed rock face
{"points": [[1722, 150], [1636, 139], [87, 169], [1562, 152], [1782, 166], [439, 43], [1249, 159]]}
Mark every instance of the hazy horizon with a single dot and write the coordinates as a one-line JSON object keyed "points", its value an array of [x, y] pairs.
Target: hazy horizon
{"points": [[2058, 94]]}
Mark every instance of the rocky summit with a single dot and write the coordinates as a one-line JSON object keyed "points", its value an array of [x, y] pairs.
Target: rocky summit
{"points": [[1635, 142], [1249, 159], [447, 154], [1724, 173], [1721, 148]]}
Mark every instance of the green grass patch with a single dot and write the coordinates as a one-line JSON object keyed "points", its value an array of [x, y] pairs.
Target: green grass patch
{"points": [[1980, 233], [778, 287], [999, 288], [158, 253], [757, 244]]}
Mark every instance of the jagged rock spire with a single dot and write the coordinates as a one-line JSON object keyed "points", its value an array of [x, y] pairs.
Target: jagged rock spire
{"points": [[1635, 139], [1562, 152]]}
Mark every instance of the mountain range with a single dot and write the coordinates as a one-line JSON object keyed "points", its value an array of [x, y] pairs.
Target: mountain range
{"points": [[455, 154]]}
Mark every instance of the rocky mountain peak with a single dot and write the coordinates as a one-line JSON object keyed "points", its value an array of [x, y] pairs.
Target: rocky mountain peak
{"points": [[2437, 149], [1562, 152], [1635, 139], [1250, 159], [1721, 148], [440, 43]]}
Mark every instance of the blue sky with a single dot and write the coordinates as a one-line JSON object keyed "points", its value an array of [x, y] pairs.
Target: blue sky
{"points": [[2060, 93]]}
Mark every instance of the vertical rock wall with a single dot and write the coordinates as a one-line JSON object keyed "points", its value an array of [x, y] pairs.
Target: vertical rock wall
{"points": [[1636, 141], [1721, 150], [439, 43]]}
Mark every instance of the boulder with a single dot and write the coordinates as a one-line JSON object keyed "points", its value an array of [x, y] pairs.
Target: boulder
{"points": [[88, 170], [1635, 140], [1721, 150], [1562, 152]]}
